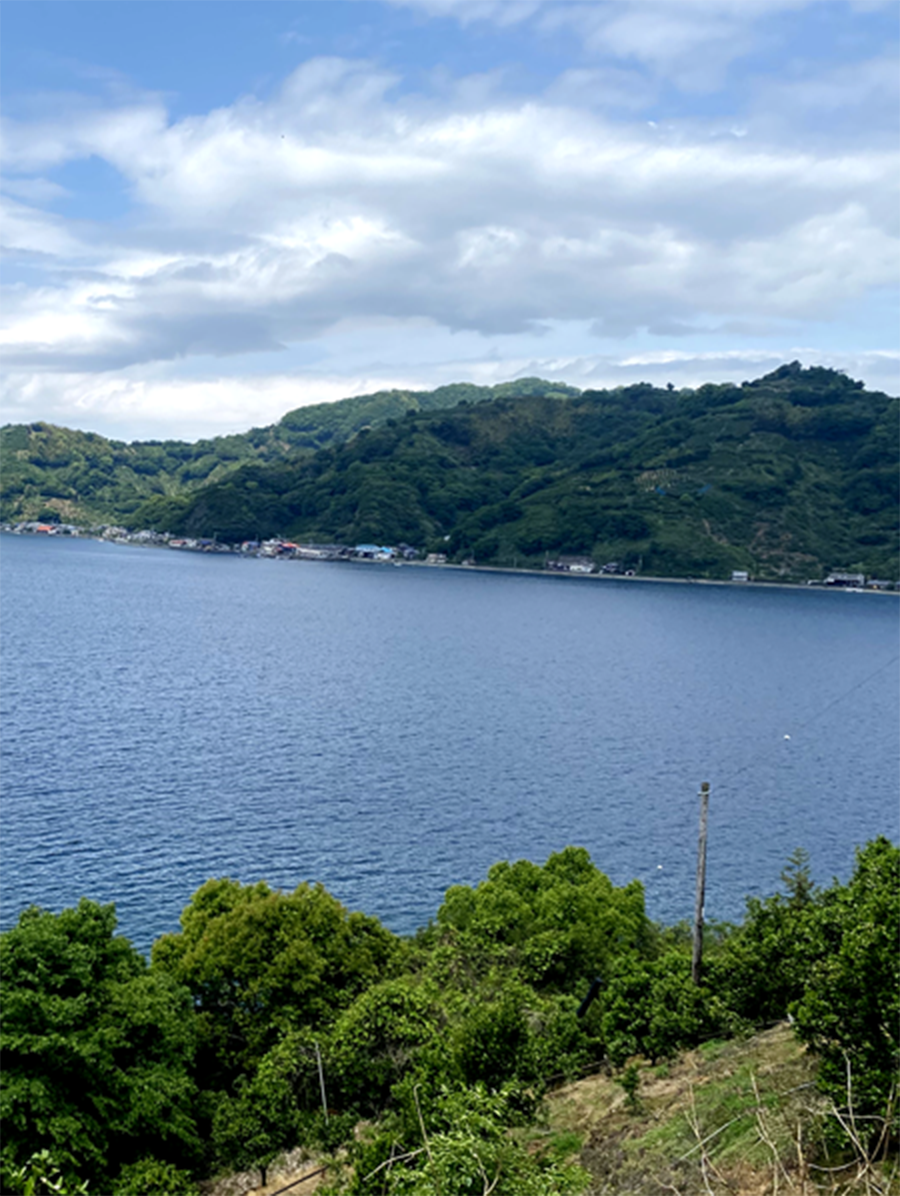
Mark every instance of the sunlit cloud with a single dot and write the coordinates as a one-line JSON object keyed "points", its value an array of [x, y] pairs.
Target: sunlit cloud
{"points": [[345, 196]]}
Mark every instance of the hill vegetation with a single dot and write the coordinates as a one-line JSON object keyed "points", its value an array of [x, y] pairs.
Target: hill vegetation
{"points": [[125, 1077], [57, 473], [787, 477]]}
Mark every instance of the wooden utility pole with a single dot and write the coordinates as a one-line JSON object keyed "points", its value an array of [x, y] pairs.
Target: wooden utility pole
{"points": [[697, 956], [322, 1081]]}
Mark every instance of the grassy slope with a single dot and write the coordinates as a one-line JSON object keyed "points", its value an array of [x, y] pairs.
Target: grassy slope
{"points": [[750, 1103]]}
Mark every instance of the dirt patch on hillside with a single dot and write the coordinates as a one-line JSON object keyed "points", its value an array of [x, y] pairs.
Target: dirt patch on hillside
{"points": [[285, 1172], [733, 1118]]}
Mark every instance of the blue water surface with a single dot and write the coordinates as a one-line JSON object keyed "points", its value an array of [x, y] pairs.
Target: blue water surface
{"points": [[168, 717]]}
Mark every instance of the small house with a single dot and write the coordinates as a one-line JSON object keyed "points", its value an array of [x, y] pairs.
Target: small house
{"points": [[571, 564], [838, 578]]}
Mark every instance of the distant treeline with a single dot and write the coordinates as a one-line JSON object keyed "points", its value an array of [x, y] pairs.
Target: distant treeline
{"points": [[126, 1077], [57, 473], [787, 477]]}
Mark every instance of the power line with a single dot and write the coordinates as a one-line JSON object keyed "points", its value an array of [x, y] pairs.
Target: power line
{"points": [[813, 718]]}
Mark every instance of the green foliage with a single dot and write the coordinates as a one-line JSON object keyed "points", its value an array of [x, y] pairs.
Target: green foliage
{"points": [[445, 1042], [849, 1011], [797, 880], [630, 1080], [460, 1146], [513, 1034], [654, 1009], [463, 1031], [254, 1126], [41, 1176], [152, 1177], [278, 1107], [380, 1038], [259, 962], [96, 1049], [92, 479], [763, 966], [495, 985], [558, 925], [786, 477]]}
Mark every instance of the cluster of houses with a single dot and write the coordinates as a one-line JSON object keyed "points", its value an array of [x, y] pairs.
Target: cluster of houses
{"points": [[287, 549], [33, 527], [855, 581], [99, 531], [837, 579], [397, 553], [281, 548], [585, 564]]}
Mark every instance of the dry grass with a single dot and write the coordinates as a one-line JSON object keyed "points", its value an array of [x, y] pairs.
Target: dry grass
{"points": [[736, 1118], [286, 1170]]}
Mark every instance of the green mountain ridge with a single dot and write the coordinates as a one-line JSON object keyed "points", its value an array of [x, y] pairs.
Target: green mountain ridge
{"points": [[54, 472], [787, 477]]}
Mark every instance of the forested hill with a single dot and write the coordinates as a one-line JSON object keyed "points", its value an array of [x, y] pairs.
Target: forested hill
{"points": [[81, 477], [788, 476]]}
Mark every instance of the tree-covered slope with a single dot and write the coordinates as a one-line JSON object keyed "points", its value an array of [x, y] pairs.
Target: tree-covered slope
{"points": [[50, 471], [788, 477], [434, 1051]]}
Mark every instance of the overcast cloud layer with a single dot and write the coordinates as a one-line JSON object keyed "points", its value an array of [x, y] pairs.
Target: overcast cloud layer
{"points": [[697, 190]]}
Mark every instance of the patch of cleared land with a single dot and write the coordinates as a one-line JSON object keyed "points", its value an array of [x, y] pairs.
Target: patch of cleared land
{"points": [[735, 1118]]}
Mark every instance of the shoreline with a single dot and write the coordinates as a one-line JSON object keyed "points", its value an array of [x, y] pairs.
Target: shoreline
{"points": [[507, 570], [646, 577]]}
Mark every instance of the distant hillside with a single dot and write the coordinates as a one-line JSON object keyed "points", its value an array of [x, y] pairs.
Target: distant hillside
{"points": [[82, 477], [788, 477]]}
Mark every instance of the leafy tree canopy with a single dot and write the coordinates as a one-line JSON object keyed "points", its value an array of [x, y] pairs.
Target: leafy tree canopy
{"points": [[559, 924], [787, 477], [152, 1177], [260, 961], [849, 1010], [96, 1049]]}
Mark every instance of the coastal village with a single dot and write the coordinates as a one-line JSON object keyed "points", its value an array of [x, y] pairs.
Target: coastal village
{"points": [[280, 548]]}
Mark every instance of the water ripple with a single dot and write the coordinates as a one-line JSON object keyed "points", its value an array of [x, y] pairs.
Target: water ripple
{"points": [[389, 732]]}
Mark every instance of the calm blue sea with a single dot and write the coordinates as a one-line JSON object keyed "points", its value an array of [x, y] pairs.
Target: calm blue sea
{"points": [[168, 717]]}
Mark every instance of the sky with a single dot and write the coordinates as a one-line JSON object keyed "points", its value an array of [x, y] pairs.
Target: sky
{"points": [[214, 213]]}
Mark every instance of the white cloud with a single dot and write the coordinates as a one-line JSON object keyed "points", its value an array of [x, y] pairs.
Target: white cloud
{"points": [[77, 130], [691, 41], [29, 230], [346, 198], [135, 404]]}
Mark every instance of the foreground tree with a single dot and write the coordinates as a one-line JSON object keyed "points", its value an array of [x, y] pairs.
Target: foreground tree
{"points": [[850, 1009], [150, 1177], [40, 1176], [764, 964], [96, 1049], [558, 925], [260, 962]]}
